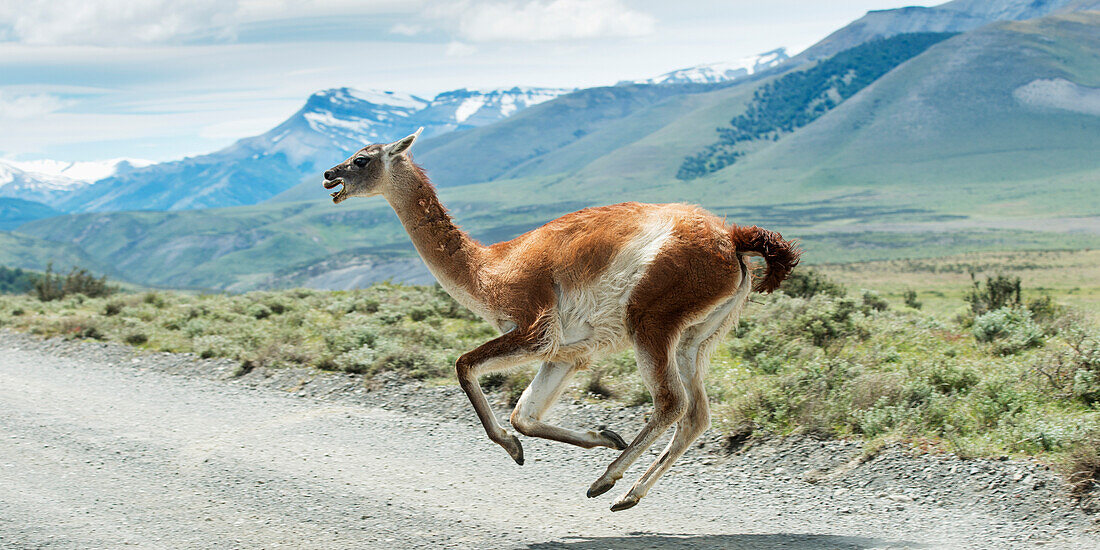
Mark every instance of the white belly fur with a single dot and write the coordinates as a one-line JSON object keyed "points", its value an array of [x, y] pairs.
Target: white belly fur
{"points": [[591, 321]]}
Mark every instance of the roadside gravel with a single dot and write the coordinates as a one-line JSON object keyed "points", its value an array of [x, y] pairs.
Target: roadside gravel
{"points": [[102, 445]]}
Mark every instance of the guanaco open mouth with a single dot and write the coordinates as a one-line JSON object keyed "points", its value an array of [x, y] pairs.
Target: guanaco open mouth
{"points": [[339, 195]]}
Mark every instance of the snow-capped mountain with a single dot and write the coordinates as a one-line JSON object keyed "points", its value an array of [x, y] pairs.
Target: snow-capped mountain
{"points": [[88, 171], [720, 72], [466, 108], [332, 124], [18, 183]]}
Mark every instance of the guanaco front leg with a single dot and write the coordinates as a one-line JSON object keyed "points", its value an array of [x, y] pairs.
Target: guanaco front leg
{"points": [[537, 399], [501, 353]]}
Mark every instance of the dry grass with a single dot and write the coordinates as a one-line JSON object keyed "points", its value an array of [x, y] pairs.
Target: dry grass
{"points": [[1069, 276]]}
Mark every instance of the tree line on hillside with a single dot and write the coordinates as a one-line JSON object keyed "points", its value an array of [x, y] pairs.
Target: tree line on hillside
{"points": [[50, 286], [799, 98]]}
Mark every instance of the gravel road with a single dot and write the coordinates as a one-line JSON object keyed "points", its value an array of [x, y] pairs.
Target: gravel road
{"points": [[105, 447]]}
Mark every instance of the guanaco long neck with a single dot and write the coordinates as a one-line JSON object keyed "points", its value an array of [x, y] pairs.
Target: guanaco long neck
{"points": [[451, 255]]}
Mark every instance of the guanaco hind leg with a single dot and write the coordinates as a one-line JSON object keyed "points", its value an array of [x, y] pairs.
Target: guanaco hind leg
{"points": [[692, 358], [658, 370]]}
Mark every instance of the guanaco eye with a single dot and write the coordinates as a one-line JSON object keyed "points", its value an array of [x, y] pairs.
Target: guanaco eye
{"points": [[361, 161]]}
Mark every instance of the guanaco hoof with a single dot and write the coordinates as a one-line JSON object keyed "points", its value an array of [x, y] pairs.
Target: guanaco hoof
{"points": [[619, 443], [627, 501], [600, 487], [515, 450]]}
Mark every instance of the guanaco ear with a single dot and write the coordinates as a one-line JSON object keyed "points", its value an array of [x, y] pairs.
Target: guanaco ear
{"points": [[400, 146]]}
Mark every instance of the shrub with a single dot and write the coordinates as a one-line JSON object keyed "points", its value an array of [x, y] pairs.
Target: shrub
{"points": [[807, 283], [872, 300], [258, 311], [113, 307], [358, 361], [596, 385], [52, 286], [827, 320], [1082, 466], [135, 338], [80, 327], [998, 292], [154, 299], [1009, 329], [910, 298], [514, 384], [1074, 372]]}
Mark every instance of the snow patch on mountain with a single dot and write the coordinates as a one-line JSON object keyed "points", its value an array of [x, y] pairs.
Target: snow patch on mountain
{"points": [[81, 171], [464, 107], [22, 184], [468, 107], [719, 72]]}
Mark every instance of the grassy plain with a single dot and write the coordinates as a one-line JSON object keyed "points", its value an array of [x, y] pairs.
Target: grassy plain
{"points": [[841, 363], [1071, 277]]}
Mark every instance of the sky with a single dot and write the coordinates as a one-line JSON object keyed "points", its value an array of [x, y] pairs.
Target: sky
{"points": [[163, 79]]}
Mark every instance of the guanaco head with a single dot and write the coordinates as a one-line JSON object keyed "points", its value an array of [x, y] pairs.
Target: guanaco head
{"points": [[370, 170]]}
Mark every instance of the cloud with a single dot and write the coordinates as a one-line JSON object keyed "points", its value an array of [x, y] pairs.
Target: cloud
{"points": [[146, 22], [460, 49], [112, 22], [406, 29], [141, 22], [541, 20], [28, 106]]}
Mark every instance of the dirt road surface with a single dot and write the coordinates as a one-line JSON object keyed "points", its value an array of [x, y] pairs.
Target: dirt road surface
{"points": [[107, 449]]}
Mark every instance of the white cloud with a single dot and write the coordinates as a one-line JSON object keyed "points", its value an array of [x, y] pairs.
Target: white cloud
{"points": [[237, 128], [139, 22], [113, 22], [540, 20], [460, 49], [406, 29], [28, 106]]}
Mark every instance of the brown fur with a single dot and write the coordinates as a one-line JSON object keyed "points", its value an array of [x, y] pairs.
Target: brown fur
{"points": [[781, 256]]}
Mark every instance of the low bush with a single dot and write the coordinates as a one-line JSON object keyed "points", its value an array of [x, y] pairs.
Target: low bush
{"points": [[1009, 329], [910, 299], [807, 283]]}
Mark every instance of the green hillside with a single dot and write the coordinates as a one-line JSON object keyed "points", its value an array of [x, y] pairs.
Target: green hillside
{"points": [[801, 97], [948, 133], [15, 212], [22, 251]]}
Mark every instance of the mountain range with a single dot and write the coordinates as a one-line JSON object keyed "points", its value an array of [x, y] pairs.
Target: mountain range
{"points": [[954, 16], [332, 124], [720, 72], [985, 139]]}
